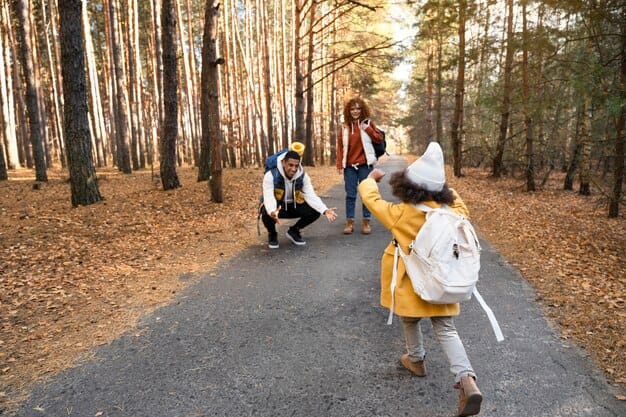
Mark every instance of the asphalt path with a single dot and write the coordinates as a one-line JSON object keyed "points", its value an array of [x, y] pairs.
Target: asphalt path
{"points": [[298, 331]]}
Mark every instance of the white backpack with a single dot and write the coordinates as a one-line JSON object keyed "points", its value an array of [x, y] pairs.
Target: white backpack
{"points": [[443, 261]]}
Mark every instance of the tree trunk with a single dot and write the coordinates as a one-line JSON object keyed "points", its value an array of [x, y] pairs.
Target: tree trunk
{"points": [[498, 166], [297, 67], [76, 122], [528, 121], [98, 133], [618, 177], [211, 132], [332, 127], [7, 116], [568, 183], [123, 150], [3, 165], [267, 77], [438, 100], [308, 158], [429, 94], [169, 177], [55, 84], [189, 126], [204, 163], [32, 100], [456, 133], [44, 127], [134, 74], [585, 174], [284, 58]]}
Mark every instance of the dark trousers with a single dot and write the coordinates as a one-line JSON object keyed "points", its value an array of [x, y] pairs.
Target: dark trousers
{"points": [[302, 211]]}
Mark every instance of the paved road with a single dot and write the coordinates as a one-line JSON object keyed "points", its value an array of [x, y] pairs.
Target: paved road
{"points": [[298, 331]]}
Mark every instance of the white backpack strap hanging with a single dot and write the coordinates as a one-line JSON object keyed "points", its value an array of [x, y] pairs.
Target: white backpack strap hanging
{"points": [[492, 318], [394, 281]]}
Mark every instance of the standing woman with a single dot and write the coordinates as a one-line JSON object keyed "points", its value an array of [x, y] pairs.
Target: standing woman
{"points": [[356, 157], [422, 182]]}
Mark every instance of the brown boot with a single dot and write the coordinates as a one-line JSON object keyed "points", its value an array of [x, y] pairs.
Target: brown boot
{"points": [[349, 227], [366, 229], [470, 399], [418, 368]]}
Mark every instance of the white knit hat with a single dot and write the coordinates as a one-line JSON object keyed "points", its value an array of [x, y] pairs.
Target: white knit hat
{"points": [[428, 171]]}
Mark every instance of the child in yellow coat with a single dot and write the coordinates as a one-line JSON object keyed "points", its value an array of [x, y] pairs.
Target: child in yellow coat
{"points": [[422, 182]]}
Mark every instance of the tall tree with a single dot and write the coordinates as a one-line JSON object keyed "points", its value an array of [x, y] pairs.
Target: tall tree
{"points": [[585, 137], [121, 101], [211, 132], [456, 130], [3, 164], [308, 158], [528, 121], [505, 110], [32, 99], [620, 140], [267, 78], [298, 6], [97, 122], [169, 133], [83, 181], [7, 116]]}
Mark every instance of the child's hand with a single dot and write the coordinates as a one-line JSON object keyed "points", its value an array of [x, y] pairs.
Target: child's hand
{"points": [[376, 174]]}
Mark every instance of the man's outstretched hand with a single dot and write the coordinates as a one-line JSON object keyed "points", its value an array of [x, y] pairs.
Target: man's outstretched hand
{"points": [[274, 215], [331, 214]]}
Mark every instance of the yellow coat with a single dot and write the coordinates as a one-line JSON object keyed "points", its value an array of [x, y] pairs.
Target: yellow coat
{"points": [[403, 221]]}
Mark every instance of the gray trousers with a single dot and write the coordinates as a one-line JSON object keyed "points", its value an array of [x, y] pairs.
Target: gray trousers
{"points": [[449, 339]]}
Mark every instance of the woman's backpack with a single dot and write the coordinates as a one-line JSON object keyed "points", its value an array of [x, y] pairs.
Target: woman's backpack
{"points": [[380, 148], [443, 261]]}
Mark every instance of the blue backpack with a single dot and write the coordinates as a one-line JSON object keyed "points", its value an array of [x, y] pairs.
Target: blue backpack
{"points": [[271, 161]]}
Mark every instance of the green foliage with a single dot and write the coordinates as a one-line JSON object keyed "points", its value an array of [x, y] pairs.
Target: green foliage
{"points": [[573, 52]]}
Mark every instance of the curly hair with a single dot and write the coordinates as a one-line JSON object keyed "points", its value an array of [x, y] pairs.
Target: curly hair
{"points": [[365, 110], [409, 192]]}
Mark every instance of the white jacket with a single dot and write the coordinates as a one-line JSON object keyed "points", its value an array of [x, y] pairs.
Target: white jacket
{"points": [[370, 155], [310, 196]]}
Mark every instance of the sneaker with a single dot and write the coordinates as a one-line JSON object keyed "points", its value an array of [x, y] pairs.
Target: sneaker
{"points": [[294, 235], [272, 241]]}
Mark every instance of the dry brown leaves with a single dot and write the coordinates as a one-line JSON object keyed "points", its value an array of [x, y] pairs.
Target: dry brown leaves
{"points": [[75, 278], [567, 248]]}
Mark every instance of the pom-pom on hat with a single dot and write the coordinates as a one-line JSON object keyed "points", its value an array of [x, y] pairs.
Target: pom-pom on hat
{"points": [[428, 171], [298, 147]]}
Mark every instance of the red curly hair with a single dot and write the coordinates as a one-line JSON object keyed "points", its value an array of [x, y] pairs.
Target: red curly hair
{"points": [[365, 110]]}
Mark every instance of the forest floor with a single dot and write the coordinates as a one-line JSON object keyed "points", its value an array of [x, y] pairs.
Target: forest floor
{"points": [[72, 279]]}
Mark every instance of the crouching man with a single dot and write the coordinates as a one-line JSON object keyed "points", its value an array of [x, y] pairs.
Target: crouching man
{"points": [[289, 194]]}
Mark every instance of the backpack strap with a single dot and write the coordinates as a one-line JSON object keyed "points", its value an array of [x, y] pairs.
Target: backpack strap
{"points": [[394, 280], [424, 207]]}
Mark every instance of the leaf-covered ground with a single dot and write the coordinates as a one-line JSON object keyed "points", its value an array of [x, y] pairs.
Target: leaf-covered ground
{"points": [[75, 278]]}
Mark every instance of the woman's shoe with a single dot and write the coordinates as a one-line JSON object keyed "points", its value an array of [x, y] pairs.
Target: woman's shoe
{"points": [[470, 399], [417, 368], [366, 229], [349, 227]]}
